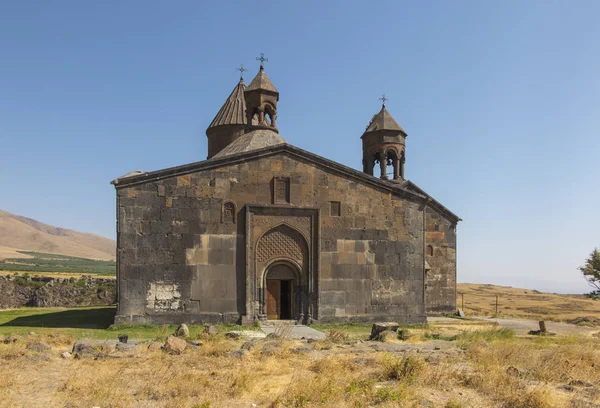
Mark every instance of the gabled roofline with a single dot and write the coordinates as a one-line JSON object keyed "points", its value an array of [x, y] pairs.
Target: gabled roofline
{"points": [[398, 189], [432, 202]]}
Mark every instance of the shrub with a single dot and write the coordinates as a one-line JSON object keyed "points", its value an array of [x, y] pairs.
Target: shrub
{"points": [[404, 369], [404, 334], [338, 336]]}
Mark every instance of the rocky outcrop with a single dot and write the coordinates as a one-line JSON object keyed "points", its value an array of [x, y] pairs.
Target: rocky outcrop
{"points": [[19, 291]]}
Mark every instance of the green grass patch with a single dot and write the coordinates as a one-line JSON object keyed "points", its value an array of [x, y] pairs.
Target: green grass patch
{"points": [[57, 263], [88, 322]]}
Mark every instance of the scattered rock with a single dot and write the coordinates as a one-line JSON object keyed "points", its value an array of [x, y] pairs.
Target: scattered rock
{"points": [[234, 334], [104, 356], [66, 354], [249, 345], [154, 346], [248, 334], [381, 327], [31, 334], [89, 348], [302, 350], [174, 345], [460, 313], [123, 347], [513, 371], [569, 388], [182, 331], [238, 353], [195, 343], [272, 336], [387, 336], [270, 348], [581, 383], [10, 339], [311, 340], [123, 338], [540, 333], [211, 330], [39, 347]]}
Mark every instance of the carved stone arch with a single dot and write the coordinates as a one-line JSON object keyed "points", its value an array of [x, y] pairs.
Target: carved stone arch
{"points": [[255, 116], [270, 114], [391, 154]]}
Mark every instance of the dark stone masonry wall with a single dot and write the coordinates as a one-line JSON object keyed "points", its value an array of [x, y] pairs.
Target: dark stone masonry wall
{"points": [[187, 245], [440, 254]]}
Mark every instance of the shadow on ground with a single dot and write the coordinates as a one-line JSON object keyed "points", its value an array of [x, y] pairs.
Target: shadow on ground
{"points": [[96, 318]]}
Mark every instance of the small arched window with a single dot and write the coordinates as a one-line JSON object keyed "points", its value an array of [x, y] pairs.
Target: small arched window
{"points": [[429, 250]]}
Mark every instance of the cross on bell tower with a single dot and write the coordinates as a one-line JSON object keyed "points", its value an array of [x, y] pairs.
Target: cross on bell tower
{"points": [[262, 60], [242, 70]]}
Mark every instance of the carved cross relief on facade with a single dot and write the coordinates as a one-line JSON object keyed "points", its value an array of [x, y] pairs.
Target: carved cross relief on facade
{"points": [[228, 213], [281, 190]]}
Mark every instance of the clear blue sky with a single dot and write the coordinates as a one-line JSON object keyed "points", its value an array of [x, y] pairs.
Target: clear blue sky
{"points": [[501, 102]]}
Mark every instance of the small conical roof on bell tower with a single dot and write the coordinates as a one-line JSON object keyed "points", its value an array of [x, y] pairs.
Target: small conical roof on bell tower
{"points": [[233, 111], [383, 120], [262, 81]]}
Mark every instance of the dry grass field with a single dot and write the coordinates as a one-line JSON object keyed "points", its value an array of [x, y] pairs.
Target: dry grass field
{"points": [[480, 299], [481, 367], [449, 363]]}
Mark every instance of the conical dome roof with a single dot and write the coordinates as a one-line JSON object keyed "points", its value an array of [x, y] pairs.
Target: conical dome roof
{"points": [[261, 81], [257, 139], [383, 121], [233, 111]]}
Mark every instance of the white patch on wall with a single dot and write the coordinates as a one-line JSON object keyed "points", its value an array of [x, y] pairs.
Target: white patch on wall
{"points": [[163, 296]]}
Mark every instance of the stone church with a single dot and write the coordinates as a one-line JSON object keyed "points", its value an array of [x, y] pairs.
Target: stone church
{"points": [[265, 230]]}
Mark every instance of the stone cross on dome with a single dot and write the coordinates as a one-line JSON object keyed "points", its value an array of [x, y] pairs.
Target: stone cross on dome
{"points": [[262, 59], [242, 70], [383, 99]]}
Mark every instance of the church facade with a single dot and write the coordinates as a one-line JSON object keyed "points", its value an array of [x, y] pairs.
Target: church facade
{"points": [[265, 230]]}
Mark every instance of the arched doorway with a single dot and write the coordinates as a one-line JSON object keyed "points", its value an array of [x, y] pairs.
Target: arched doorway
{"points": [[281, 291]]}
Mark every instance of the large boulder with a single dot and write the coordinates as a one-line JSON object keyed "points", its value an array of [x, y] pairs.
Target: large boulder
{"points": [[182, 331], [175, 345], [211, 330], [379, 328], [90, 348]]}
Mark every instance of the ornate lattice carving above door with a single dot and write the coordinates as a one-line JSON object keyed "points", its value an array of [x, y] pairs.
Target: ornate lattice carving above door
{"points": [[281, 242]]}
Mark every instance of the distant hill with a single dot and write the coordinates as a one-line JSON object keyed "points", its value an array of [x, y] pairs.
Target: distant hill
{"points": [[480, 299], [22, 233]]}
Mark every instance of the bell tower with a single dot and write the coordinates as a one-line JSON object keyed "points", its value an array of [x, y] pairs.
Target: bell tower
{"points": [[261, 101], [383, 144]]}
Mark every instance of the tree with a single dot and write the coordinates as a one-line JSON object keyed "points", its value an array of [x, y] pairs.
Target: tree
{"points": [[591, 273]]}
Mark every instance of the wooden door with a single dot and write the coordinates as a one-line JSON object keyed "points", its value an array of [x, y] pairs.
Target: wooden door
{"points": [[273, 298]]}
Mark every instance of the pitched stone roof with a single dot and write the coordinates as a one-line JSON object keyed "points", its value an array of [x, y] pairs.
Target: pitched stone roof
{"points": [[257, 139], [233, 111], [383, 121], [261, 81]]}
